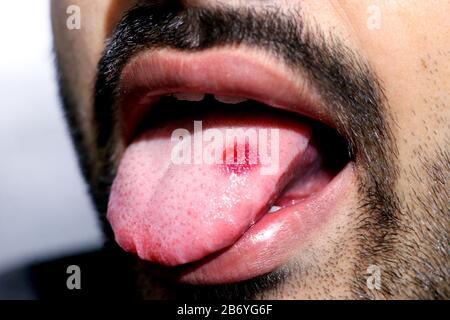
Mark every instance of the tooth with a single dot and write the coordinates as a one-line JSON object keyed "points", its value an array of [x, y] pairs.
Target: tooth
{"points": [[274, 209], [229, 99], [189, 96]]}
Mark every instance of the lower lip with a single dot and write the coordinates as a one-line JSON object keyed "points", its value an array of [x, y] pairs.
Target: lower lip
{"points": [[273, 240]]}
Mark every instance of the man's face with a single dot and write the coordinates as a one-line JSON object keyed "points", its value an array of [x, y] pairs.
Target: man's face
{"points": [[341, 110]]}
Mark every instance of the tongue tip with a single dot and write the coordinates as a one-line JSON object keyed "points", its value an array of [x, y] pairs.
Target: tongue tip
{"points": [[174, 252], [164, 258], [156, 253]]}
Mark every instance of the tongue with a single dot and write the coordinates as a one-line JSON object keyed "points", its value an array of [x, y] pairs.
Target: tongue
{"points": [[172, 207]]}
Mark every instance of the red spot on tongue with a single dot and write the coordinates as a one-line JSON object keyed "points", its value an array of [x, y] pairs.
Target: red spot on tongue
{"points": [[239, 166], [174, 214]]}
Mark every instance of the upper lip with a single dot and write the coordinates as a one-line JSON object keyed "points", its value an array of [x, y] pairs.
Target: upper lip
{"points": [[242, 73]]}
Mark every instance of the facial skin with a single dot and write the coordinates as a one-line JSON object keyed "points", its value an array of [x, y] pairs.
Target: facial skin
{"points": [[395, 213]]}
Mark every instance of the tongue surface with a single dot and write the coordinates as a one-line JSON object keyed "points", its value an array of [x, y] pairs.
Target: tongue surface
{"points": [[174, 213]]}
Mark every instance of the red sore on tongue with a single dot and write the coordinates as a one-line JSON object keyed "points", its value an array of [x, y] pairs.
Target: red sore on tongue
{"points": [[178, 213]]}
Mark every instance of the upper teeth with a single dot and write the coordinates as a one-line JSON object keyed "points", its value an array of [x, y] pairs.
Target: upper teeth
{"points": [[190, 96], [229, 99], [195, 97], [274, 209]]}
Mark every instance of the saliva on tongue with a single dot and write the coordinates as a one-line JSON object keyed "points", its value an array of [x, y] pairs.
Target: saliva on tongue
{"points": [[175, 211]]}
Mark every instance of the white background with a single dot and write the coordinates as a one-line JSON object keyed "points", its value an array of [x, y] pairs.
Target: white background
{"points": [[44, 207]]}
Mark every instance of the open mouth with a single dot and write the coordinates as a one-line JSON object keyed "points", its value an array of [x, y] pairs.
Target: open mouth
{"points": [[211, 209]]}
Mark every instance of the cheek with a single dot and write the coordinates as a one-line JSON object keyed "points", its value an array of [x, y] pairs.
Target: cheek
{"points": [[80, 25], [115, 13], [80, 47]]}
